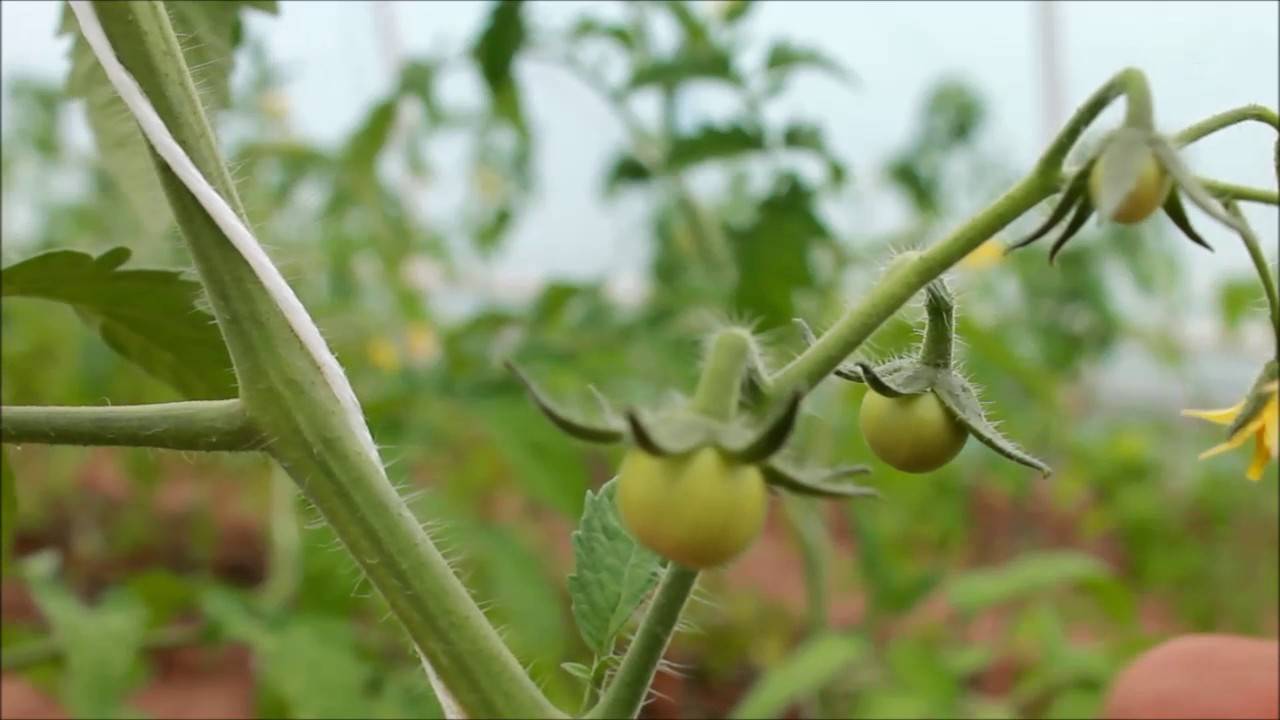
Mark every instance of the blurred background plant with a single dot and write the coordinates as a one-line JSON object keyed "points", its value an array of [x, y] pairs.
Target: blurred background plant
{"points": [[979, 590]]}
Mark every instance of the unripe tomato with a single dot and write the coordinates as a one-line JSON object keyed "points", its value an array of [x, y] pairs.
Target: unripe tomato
{"points": [[699, 510], [913, 433], [1148, 193]]}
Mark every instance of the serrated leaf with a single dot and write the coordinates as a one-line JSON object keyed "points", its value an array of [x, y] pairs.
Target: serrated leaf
{"points": [[1039, 572], [1119, 166], [8, 511], [800, 675], [209, 33], [959, 398], [150, 317], [99, 644], [612, 573]]}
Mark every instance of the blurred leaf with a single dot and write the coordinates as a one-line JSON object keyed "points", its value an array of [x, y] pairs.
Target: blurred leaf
{"points": [[210, 32], [612, 573], [785, 58], [148, 316], [544, 465], [100, 644], [1238, 297], [670, 72], [694, 32], [800, 675], [954, 114], [360, 155], [1027, 575], [526, 601], [495, 51], [626, 170], [588, 27], [735, 10], [773, 254], [418, 79], [8, 510], [313, 664]]}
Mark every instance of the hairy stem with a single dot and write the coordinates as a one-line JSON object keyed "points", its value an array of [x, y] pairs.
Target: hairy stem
{"points": [[1129, 82], [298, 397], [1210, 125], [626, 694], [201, 425], [721, 380], [1265, 274], [939, 331]]}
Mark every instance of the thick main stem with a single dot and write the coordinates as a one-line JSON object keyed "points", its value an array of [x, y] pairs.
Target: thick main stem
{"points": [[200, 425], [311, 428]]}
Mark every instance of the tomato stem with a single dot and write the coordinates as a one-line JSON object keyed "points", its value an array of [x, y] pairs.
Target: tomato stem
{"points": [[198, 425], [939, 331], [720, 385], [1214, 123], [626, 694]]}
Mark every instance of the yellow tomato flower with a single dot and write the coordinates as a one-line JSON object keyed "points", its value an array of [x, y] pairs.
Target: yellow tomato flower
{"points": [[383, 354], [984, 256], [1263, 428]]}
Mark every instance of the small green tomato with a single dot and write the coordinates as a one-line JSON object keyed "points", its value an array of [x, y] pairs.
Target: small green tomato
{"points": [[913, 433], [698, 510], [1147, 195]]}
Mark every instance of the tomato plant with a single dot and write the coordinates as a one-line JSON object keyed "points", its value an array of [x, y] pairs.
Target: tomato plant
{"points": [[1148, 192]]}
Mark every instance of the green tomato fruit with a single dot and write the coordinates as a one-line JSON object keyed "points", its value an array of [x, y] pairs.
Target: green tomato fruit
{"points": [[1146, 197], [699, 510], [913, 433]]}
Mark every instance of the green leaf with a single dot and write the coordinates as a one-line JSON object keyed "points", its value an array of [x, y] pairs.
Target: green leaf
{"points": [[612, 573], [148, 316], [1023, 577], [806, 671], [670, 72], [360, 155], [735, 10], [1239, 296], [8, 511], [210, 32], [495, 51], [100, 644], [785, 58], [592, 28], [712, 142]]}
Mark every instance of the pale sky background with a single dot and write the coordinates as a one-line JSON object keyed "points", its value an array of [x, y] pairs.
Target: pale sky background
{"points": [[1201, 57]]}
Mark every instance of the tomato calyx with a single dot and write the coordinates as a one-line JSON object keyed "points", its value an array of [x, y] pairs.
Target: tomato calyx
{"points": [[678, 432], [930, 371], [1122, 173]]}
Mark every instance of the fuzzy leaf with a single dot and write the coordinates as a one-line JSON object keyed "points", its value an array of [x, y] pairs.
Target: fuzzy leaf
{"points": [[612, 573], [1185, 180], [1075, 191], [148, 316], [606, 431], [958, 397], [818, 482], [1173, 208], [1119, 167]]}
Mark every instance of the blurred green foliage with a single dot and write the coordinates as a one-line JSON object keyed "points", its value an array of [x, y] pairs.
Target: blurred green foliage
{"points": [[982, 590]]}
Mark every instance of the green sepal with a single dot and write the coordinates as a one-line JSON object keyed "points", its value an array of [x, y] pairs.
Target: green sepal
{"points": [[1256, 401], [816, 482], [1076, 190], [1083, 211], [905, 377], [958, 396], [674, 435], [608, 431], [1173, 165], [772, 435], [1173, 208]]}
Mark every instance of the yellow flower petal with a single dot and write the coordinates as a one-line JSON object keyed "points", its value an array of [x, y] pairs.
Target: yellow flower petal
{"points": [[1260, 459], [1236, 441], [1226, 416], [985, 255], [1269, 435]]}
